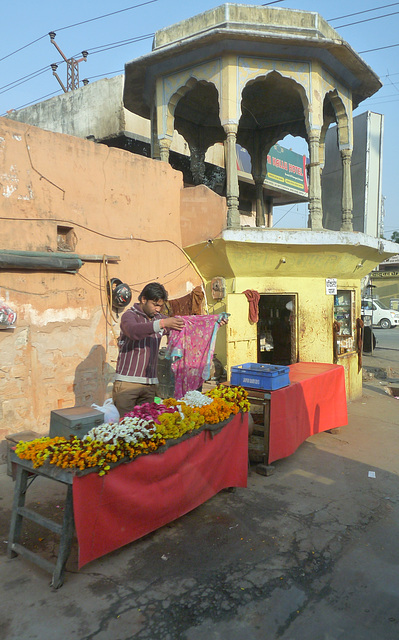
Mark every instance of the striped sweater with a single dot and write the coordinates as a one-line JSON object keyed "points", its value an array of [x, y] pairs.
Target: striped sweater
{"points": [[138, 346]]}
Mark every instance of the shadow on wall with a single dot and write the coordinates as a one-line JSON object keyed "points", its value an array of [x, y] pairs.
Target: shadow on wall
{"points": [[93, 378]]}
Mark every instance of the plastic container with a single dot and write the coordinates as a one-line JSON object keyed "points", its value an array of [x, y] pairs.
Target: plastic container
{"points": [[267, 377]]}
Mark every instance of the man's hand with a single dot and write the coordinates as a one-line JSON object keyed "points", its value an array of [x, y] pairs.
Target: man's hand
{"points": [[173, 323]]}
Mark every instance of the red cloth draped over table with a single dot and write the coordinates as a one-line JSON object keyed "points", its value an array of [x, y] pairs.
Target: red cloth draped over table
{"points": [[314, 401], [147, 493]]}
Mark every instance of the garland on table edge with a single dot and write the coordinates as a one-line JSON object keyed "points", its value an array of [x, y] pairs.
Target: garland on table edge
{"points": [[139, 432]]}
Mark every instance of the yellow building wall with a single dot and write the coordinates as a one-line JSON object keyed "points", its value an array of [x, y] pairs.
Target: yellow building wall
{"points": [[313, 327]]}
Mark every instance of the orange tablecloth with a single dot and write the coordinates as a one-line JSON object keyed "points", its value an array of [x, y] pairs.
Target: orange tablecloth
{"points": [[147, 493], [314, 401]]}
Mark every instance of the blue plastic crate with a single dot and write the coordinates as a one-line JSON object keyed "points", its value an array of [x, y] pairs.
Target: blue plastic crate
{"points": [[267, 377]]}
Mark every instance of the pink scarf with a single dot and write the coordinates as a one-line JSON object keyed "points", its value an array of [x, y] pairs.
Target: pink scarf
{"points": [[191, 351]]}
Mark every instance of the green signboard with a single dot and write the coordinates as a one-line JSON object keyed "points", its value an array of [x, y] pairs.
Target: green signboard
{"points": [[286, 169]]}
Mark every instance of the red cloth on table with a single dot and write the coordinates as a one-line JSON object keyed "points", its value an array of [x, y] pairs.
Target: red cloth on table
{"points": [[147, 493], [314, 401], [253, 298]]}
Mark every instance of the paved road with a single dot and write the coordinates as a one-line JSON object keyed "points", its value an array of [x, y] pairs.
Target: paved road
{"points": [[387, 338]]}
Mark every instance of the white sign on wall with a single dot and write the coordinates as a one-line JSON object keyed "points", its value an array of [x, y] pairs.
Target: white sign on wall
{"points": [[331, 286]]}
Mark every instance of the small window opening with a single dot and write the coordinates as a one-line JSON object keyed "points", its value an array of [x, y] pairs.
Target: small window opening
{"points": [[66, 239]]}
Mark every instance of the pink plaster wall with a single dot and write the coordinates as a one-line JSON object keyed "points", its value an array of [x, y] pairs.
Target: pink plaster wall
{"points": [[63, 351], [203, 215]]}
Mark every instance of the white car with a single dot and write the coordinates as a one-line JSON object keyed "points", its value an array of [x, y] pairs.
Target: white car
{"points": [[382, 316]]}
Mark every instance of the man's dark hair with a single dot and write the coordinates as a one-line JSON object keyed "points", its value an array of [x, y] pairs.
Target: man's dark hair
{"points": [[154, 291]]}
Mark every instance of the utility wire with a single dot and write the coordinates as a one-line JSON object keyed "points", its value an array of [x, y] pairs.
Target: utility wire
{"points": [[48, 95], [120, 43], [350, 24], [16, 83], [358, 13], [76, 24], [388, 46], [106, 15]]}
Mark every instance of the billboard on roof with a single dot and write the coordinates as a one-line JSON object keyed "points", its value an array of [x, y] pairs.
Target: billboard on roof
{"points": [[287, 169]]}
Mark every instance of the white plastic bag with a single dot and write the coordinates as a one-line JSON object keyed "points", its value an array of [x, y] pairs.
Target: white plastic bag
{"points": [[111, 413]]}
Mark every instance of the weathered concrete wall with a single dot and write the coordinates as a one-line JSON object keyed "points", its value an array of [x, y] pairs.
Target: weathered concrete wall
{"points": [[62, 351], [94, 110]]}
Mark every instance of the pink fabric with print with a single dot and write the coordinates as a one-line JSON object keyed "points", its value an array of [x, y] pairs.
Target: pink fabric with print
{"points": [[191, 350]]}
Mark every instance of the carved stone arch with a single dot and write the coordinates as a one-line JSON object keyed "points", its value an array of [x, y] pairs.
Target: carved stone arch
{"points": [[194, 112], [341, 118], [273, 105], [170, 110], [334, 110]]}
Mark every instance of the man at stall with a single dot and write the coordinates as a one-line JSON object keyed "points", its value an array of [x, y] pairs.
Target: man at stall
{"points": [[142, 327]]}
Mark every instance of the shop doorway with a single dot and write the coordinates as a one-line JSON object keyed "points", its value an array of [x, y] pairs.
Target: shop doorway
{"points": [[277, 329]]}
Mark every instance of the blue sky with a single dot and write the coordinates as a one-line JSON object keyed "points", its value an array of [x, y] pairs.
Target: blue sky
{"points": [[115, 39]]}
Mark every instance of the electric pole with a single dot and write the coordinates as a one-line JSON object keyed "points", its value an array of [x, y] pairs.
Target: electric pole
{"points": [[72, 68]]}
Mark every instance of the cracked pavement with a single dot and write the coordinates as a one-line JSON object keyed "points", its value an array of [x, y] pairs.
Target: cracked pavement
{"points": [[308, 553]]}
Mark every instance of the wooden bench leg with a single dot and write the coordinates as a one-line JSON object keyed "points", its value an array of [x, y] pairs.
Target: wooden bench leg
{"points": [[68, 528], [21, 482], [266, 433]]}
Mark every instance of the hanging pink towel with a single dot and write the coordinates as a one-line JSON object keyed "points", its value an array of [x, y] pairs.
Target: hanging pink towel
{"points": [[191, 351]]}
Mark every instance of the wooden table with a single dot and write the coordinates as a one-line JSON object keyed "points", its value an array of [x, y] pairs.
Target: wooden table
{"points": [[314, 401], [135, 498]]}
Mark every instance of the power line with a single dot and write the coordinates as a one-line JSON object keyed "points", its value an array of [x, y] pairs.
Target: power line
{"points": [[16, 83], [388, 46], [48, 95], [106, 15], [350, 24], [120, 43], [22, 48], [358, 13], [76, 24]]}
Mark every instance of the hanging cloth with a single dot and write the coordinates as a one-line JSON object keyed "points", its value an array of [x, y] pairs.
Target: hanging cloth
{"points": [[188, 305], [191, 351], [359, 340], [253, 298]]}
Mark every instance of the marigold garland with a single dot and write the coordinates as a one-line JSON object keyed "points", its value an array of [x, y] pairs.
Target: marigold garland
{"points": [[238, 396], [74, 453], [134, 435]]}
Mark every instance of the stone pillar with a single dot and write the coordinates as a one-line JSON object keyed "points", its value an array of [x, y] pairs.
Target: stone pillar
{"points": [[260, 203], [232, 190], [164, 146], [154, 134], [347, 203], [269, 212], [197, 164], [315, 208]]}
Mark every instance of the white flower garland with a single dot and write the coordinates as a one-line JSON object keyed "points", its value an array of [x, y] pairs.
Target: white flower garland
{"points": [[196, 399], [132, 430]]}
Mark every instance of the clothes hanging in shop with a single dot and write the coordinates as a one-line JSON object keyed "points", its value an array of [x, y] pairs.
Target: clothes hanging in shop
{"points": [[191, 351], [253, 298]]}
